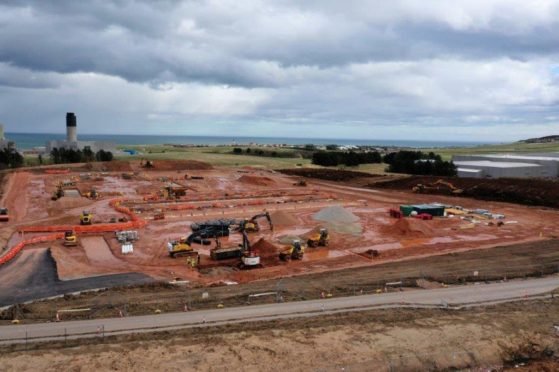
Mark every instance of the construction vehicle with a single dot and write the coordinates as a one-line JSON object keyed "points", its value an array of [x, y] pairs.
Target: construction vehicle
{"points": [[319, 239], [183, 246], [224, 253], [4, 216], [58, 193], [93, 194], [86, 218], [250, 259], [252, 224], [173, 191], [301, 183], [70, 239], [420, 188], [294, 252]]}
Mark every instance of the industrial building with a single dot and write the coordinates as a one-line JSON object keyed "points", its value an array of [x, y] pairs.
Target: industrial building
{"points": [[4, 143], [72, 142], [508, 165]]}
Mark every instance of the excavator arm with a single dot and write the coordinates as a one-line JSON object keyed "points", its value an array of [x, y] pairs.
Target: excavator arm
{"points": [[262, 215]]}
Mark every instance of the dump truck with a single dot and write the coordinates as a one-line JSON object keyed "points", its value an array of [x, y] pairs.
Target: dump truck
{"points": [[70, 239], [86, 218], [293, 252], [319, 239]]}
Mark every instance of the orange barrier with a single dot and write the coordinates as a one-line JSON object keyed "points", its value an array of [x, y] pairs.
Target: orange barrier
{"points": [[57, 171], [134, 223], [18, 247]]}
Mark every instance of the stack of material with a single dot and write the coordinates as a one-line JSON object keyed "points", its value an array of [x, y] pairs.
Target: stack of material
{"points": [[340, 220]]}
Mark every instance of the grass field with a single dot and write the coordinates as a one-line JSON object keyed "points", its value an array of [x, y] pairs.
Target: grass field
{"points": [[447, 153]]}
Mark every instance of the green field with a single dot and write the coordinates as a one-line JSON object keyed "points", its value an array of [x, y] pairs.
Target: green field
{"points": [[447, 153]]}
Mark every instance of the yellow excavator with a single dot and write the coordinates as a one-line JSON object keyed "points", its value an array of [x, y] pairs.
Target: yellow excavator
{"points": [[70, 239], [319, 239], [86, 218], [420, 188], [93, 194], [182, 247], [252, 224], [294, 252]]}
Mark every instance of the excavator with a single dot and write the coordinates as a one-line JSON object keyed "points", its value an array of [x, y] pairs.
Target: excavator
{"points": [[252, 224], [4, 216], [294, 252], [58, 193], [250, 259], [183, 246], [86, 218], [420, 188], [70, 239], [319, 239]]}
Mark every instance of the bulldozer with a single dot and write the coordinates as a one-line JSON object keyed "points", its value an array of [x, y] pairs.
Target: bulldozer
{"points": [[86, 218], [252, 224], [319, 239], [293, 252], [4, 216], [70, 239]]}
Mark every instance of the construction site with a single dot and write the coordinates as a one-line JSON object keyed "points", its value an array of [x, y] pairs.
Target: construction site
{"points": [[188, 221]]}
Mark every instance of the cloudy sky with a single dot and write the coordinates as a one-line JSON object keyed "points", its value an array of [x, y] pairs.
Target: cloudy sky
{"points": [[485, 70]]}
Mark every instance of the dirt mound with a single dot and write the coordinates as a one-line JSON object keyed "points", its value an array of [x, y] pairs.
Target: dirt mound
{"points": [[335, 214], [257, 180], [171, 165], [411, 227], [513, 190], [281, 218], [326, 174], [340, 220], [265, 248]]}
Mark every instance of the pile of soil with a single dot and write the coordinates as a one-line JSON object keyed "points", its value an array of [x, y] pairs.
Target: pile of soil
{"points": [[171, 165], [513, 190], [265, 248], [281, 218], [335, 214], [340, 220], [257, 180], [110, 166], [410, 227], [326, 174]]}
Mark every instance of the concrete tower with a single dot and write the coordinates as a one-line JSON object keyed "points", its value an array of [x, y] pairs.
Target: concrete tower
{"points": [[71, 127], [1, 132]]}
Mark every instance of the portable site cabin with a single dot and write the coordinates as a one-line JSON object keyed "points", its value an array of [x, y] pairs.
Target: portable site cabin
{"points": [[433, 210]]}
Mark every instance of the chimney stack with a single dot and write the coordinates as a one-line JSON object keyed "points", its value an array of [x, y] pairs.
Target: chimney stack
{"points": [[71, 127]]}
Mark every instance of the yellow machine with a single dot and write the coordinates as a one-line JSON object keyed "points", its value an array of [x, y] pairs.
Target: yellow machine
{"points": [[93, 194], [294, 252], [70, 239], [252, 224], [86, 218], [182, 247], [319, 239], [58, 193], [419, 188]]}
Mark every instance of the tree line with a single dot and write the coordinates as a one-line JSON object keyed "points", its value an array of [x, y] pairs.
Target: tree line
{"points": [[62, 155], [10, 158], [348, 158], [417, 162]]}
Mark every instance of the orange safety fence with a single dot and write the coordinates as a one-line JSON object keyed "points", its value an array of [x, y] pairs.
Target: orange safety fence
{"points": [[19, 246], [57, 171], [134, 223]]}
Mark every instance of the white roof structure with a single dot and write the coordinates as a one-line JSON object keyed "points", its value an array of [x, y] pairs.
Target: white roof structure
{"points": [[493, 164]]}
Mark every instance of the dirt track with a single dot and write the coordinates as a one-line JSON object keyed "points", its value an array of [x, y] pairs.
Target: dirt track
{"points": [[377, 340]]}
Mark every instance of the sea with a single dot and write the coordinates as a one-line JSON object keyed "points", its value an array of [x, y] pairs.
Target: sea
{"points": [[28, 141]]}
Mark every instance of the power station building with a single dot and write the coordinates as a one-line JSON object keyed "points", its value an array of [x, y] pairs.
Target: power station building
{"points": [[71, 141], [508, 165]]}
